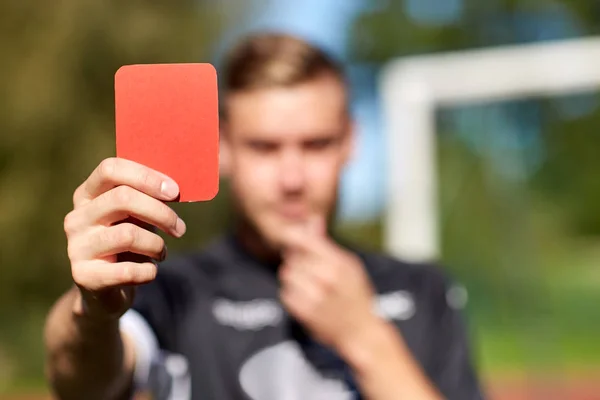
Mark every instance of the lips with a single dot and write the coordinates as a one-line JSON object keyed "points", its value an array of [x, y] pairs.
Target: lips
{"points": [[293, 212]]}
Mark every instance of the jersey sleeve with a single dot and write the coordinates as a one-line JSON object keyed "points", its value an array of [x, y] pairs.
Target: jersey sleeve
{"points": [[146, 345], [152, 321], [148, 324], [453, 369], [154, 304]]}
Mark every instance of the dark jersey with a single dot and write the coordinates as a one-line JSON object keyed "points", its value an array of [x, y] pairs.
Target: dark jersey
{"points": [[211, 326]]}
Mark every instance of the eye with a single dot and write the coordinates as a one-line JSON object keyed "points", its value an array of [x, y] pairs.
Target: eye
{"points": [[320, 144], [262, 146]]}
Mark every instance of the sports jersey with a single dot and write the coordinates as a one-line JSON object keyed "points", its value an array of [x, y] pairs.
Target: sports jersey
{"points": [[211, 326]]}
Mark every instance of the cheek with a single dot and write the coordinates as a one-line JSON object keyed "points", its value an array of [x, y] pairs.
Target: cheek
{"points": [[252, 179], [323, 178], [256, 172]]}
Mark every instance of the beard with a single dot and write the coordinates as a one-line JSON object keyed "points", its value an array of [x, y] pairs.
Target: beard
{"points": [[261, 241], [260, 238], [264, 242]]}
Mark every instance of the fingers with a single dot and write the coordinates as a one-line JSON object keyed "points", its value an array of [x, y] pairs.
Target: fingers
{"points": [[302, 275], [119, 204], [304, 288], [299, 292], [107, 250], [121, 238], [100, 275], [113, 172]]}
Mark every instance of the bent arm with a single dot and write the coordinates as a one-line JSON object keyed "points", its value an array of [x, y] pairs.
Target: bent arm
{"points": [[385, 368], [85, 358]]}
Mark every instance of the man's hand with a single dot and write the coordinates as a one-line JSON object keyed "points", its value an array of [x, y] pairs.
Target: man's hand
{"points": [[112, 248], [326, 287], [114, 210]]}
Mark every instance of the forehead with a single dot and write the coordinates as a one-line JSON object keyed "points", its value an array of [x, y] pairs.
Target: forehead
{"points": [[315, 106]]}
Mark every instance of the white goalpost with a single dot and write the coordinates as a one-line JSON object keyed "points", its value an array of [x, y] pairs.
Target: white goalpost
{"points": [[412, 88]]}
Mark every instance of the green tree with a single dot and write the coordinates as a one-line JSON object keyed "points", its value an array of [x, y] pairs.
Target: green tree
{"points": [[57, 123]]}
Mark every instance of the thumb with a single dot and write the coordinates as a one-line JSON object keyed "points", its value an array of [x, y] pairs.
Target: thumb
{"points": [[294, 238], [304, 237]]}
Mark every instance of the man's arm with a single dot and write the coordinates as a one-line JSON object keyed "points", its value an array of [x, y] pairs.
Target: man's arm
{"points": [[86, 358], [326, 288], [384, 366], [111, 251]]}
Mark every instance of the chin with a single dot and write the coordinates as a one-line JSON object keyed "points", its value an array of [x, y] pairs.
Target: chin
{"points": [[272, 240], [273, 235]]}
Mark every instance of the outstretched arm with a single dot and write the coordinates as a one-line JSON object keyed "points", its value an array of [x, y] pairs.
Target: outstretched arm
{"points": [[86, 358]]}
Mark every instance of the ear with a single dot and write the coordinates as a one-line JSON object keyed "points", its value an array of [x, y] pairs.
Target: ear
{"points": [[224, 150], [349, 144]]}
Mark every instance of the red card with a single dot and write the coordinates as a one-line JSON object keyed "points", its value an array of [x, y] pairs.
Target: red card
{"points": [[167, 119]]}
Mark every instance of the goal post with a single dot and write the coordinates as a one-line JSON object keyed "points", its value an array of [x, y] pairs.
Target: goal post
{"points": [[413, 87]]}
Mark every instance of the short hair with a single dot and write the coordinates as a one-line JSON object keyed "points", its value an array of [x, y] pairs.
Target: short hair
{"points": [[269, 59]]}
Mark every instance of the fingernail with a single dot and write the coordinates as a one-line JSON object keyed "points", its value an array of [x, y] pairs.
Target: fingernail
{"points": [[180, 227], [169, 189]]}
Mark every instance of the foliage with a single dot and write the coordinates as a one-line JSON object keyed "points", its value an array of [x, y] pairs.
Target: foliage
{"points": [[57, 123], [524, 244], [58, 61]]}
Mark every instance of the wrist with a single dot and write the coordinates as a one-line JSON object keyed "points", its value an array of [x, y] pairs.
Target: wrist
{"points": [[89, 314], [384, 366], [368, 344]]}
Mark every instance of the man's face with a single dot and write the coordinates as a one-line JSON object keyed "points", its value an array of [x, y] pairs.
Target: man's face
{"points": [[283, 150]]}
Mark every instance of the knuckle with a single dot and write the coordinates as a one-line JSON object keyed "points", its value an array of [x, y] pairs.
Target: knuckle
{"points": [[173, 219], [107, 167], [329, 278], [79, 276], [73, 250], [150, 180], [126, 235], [138, 273], [329, 281], [317, 298], [69, 223], [151, 271], [308, 307], [122, 195], [77, 195], [128, 273], [284, 272], [170, 217], [160, 244]]}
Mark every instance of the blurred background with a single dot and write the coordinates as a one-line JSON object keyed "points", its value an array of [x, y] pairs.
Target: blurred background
{"points": [[518, 191]]}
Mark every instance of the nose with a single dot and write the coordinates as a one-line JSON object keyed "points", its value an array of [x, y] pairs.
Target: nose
{"points": [[292, 176]]}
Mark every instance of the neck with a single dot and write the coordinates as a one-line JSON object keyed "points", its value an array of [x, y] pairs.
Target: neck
{"points": [[253, 243]]}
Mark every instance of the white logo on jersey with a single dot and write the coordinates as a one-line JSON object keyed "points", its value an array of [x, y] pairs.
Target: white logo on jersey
{"points": [[398, 305], [248, 315], [281, 372], [457, 297]]}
